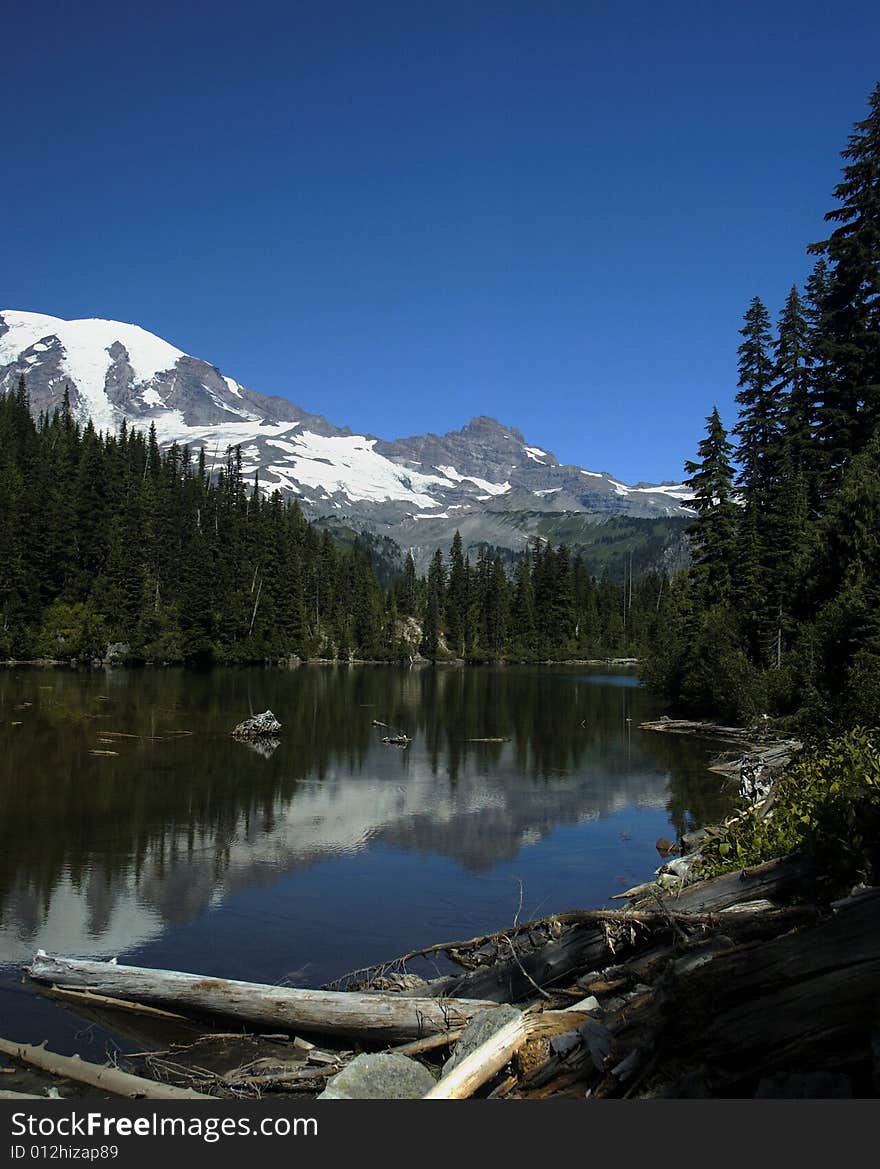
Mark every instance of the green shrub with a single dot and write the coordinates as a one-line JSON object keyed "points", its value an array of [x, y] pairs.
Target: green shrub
{"points": [[826, 805], [718, 679], [71, 631]]}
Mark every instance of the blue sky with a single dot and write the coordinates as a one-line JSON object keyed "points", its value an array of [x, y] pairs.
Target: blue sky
{"points": [[401, 215]]}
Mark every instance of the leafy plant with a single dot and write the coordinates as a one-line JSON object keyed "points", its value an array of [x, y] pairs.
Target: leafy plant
{"points": [[826, 805]]}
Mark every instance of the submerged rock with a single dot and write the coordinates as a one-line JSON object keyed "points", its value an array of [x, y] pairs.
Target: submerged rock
{"points": [[257, 726], [380, 1076]]}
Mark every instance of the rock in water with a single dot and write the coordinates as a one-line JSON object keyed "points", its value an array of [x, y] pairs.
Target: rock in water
{"points": [[257, 726], [381, 1076]]}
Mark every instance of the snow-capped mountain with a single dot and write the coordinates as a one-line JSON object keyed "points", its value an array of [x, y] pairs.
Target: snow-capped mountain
{"points": [[418, 490]]}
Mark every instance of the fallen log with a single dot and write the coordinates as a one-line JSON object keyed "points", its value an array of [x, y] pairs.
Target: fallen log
{"points": [[707, 730], [431, 1043], [490, 1057], [108, 1079], [485, 949], [773, 880], [723, 1019], [481, 1065], [510, 980], [594, 937], [786, 1002], [368, 1016]]}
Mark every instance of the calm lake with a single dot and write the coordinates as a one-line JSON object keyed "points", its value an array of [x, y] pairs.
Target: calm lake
{"points": [[133, 826]]}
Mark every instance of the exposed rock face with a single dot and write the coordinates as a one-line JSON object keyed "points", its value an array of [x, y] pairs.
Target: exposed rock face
{"points": [[258, 726], [484, 480], [383, 1076]]}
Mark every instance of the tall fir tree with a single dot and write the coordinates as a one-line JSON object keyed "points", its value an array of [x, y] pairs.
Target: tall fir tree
{"points": [[759, 417], [850, 304], [713, 533], [456, 598], [434, 596]]}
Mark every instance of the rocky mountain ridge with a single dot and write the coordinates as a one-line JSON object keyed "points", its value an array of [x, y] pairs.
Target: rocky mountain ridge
{"points": [[484, 479]]}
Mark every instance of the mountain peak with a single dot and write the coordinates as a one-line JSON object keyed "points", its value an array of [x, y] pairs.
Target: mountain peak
{"points": [[485, 427], [418, 490]]}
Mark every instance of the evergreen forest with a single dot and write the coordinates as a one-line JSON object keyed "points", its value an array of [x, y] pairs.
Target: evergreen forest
{"points": [[106, 540], [109, 542], [779, 613]]}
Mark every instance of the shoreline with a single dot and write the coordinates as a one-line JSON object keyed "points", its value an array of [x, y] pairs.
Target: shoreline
{"points": [[694, 987], [295, 663]]}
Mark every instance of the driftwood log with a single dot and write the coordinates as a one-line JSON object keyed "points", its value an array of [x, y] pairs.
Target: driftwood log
{"points": [[588, 944], [804, 1000], [721, 1019], [490, 1057], [384, 1017], [107, 1079], [741, 736]]}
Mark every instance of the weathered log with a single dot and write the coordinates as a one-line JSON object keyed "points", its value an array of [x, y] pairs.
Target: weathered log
{"points": [[490, 1057], [430, 1043], [481, 950], [759, 1008], [707, 730], [721, 1019], [481, 1065], [585, 944], [772, 880], [369, 1016], [581, 946], [108, 1079]]}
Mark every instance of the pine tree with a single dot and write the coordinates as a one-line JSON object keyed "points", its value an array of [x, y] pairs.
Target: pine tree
{"points": [[523, 607], [818, 465], [406, 602], [456, 599], [794, 490], [496, 609], [760, 413], [434, 595], [713, 533], [850, 305], [794, 387]]}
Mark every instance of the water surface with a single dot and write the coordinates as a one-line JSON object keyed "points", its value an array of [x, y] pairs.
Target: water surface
{"points": [[186, 850]]}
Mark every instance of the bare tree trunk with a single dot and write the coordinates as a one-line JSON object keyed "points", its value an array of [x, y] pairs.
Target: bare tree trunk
{"points": [[389, 1017]]}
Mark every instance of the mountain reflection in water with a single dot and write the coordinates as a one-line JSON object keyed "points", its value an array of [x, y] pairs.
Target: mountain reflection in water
{"points": [[196, 852]]}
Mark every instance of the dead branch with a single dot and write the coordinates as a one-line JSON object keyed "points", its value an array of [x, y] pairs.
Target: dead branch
{"points": [[108, 1079]]}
